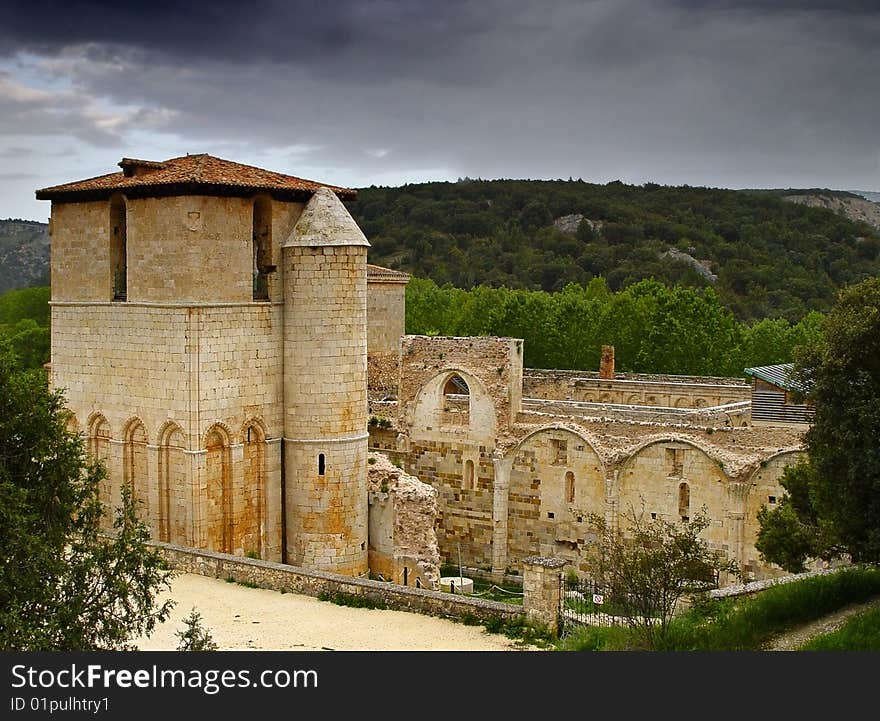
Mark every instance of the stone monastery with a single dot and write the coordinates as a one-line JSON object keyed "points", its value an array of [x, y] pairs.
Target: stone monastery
{"points": [[228, 352]]}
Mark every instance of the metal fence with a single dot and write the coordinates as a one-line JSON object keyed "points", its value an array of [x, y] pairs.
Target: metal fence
{"points": [[583, 602]]}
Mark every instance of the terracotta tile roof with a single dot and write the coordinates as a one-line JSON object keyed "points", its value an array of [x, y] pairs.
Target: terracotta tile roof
{"points": [[389, 275], [197, 174]]}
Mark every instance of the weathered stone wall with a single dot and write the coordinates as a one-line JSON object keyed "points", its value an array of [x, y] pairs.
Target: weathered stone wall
{"points": [[465, 514], [383, 374], [291, 579], [634, 389], [556, 481], [403, 513], [385, 317], [151, 384]]}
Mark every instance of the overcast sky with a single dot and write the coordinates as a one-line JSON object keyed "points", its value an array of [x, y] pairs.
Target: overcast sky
{"points": [[728, 93]]}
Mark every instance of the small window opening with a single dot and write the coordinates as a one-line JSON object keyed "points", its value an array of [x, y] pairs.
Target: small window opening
{"points": [[468, 475], [418, 583], [262, 245], [771, 499], [405, 576], [118, 248], [456, 401], [569, 487], [559, 451], [321, 465], [653, 516], [684, 500], [550, 515]]}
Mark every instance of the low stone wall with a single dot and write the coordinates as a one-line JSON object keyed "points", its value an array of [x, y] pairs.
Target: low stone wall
{"points": [[292, 579]]}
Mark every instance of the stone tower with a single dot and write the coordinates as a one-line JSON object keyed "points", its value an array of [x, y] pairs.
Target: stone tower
{"points": [[189, 351], [325, 389]]}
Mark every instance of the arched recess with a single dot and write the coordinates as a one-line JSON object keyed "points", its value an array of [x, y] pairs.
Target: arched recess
{"points": [[551, 466], [249, 528], [171, 514], [454, 401], [99, 448], [135, 466], [467, 482], [661, 474], [764, 490], [119, 246], [262, 246], [219, 516]]}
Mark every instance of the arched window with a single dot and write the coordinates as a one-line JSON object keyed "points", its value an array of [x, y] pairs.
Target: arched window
{"points": [[684, 501], [172, 485], [468, 480], [456, 401], [118, 247], [135, 469], [262, 242], [569, 487], [219, 515]]}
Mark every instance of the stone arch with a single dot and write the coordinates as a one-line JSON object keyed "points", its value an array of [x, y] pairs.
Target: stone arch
{"points": [[219, 517], [71, 424], [119, 246], [250, 518], [650, 482], [99, 438], [681, 402], [471, 414], [763, 485], [171, 513], [135, 466], [549, 466], [634, 399]]}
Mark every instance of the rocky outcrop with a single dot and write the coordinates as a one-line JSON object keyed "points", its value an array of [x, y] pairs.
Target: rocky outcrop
{"points": [[569, 223], [24, 254], [857, 209], [701, 266]]}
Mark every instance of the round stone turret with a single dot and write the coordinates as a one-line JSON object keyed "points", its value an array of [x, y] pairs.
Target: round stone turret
{"points": [[325, 389]]}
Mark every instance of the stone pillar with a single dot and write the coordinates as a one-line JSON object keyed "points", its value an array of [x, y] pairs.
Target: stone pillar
{"points": [[606, 364], [542, 590], [737, 494], [500, 500]]}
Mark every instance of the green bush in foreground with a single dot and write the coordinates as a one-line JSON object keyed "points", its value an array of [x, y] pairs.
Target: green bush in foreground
{"points": [[859, 633]]}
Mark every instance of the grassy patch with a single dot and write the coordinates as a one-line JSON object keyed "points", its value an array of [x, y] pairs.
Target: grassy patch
{"points": [[747, 623], [353, 600], [597, 638], [859, 633], [519, 629]]}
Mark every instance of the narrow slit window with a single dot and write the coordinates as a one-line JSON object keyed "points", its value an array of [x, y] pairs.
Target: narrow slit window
{"points": [[569, 487], [321, 464]]}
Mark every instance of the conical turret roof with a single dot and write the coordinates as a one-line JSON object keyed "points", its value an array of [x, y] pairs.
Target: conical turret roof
{"points": [[325, 221]]}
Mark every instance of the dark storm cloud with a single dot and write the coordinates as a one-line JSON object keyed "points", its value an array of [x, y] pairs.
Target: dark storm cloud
{"points": [[715, 92]]}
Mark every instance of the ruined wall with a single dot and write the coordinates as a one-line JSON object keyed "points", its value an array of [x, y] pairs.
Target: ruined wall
{"points": [[403, 513], [556, 481], [764, 489], [634, 389], [491, 368], [465, 513], [385, 317]]}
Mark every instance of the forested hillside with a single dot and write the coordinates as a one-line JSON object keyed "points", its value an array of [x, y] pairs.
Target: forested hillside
{"points": [[24, 254], [764, 257]]}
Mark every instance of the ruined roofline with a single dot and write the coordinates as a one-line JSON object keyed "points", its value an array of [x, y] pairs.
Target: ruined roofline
{"points": [[576, 375]]}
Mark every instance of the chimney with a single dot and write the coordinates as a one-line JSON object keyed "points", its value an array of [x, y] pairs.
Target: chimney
{"points": [[606, 365]]}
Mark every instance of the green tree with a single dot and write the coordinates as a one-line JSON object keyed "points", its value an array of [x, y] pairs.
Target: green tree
{"points": [[194, 636], [649, 565], [64, 585], [839, 496]]}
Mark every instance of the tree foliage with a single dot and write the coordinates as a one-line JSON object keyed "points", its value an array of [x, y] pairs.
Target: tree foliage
{"points": [[654, 328], [24, 325], [194, 636], [833, 503], [64, 585], [649, 565]]}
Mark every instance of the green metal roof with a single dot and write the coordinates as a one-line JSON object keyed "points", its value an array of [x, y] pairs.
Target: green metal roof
{"points": [[778, 375]]}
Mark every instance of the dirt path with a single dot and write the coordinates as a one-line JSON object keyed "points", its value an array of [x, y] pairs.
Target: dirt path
{"points": [[791, 640], [241, 618]]}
